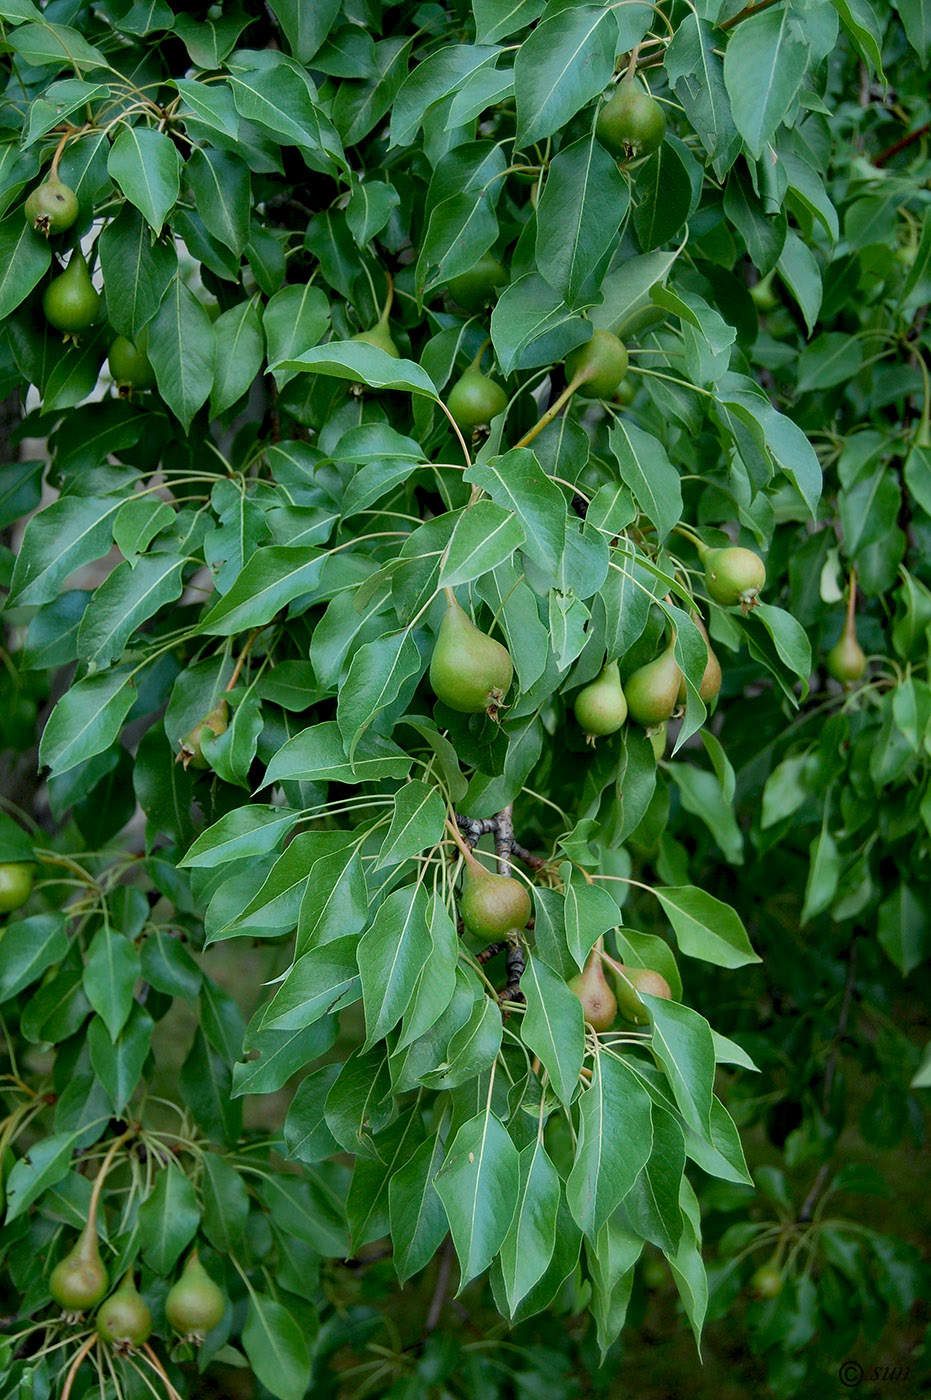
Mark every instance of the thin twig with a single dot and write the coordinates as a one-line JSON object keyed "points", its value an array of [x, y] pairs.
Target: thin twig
{"points": [[897, 146], [440, 1287]]}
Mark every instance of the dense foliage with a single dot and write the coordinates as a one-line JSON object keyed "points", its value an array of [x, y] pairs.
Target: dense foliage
{"points": [[467, 509]]}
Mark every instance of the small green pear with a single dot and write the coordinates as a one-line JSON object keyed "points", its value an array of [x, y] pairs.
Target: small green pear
{"points": [[380, 337], [124, 1319], [603, 362], [733, 575], [599, 1004], [846, 661], [129, 363], [492, 905], [653, 690], [52, 207], [195, 1304], [469, 671], [601, 707], [71, 302], [16, 880], [710, 684], [216, 722], [475, 289], [80, 1280], [629, 982], [475, 399], [631, 123]]}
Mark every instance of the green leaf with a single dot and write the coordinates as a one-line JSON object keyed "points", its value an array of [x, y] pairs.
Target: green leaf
{"points": [[390, 955], [318, 753], [87, 719], [553, 1028], [532, 325], [182, 348], [63, 536], [28, 947], [682, 1045], [168, 1220], [47, 1162], [239, 332], [319, 981], [764, 63], [567, 60], [272, 578], [590, 912], [646, 469], [652, 1203], [126, 599], [664, 197], [147, 167], [859, 19], [118, 1063], [478, 1185], [275, 1346], [222, 194], [614, 1143], [798, 267], [903, 928], [442, 73], [294, 320], [369, 364], [226, 1202], [111, 970], [417, 823], [306, 23], [580, 213], [55, 44], [246, 831], [705, 927], [696, 73], [24, 258], [518, 483], [459, 231], [528, 1246], [367, 1208], [380, 672], [417, 1218], [137, 270], [611, 1262]]}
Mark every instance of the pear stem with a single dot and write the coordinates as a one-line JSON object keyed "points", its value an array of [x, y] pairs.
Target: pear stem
{"points": [[850, 626], [476, 364], [388, 302], [690, 535], [463, 846], [76, 1363], [101, 1178], [632, 64], [576, 383]]}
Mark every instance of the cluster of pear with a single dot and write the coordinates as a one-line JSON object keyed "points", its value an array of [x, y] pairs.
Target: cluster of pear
{"points": [[194, 1304], [602, 1003], [71, 302], [472, 673]]}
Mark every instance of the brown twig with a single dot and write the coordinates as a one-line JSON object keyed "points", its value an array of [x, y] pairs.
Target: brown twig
{"points": [[439, 1290], [897, 146], [747, 12]]}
